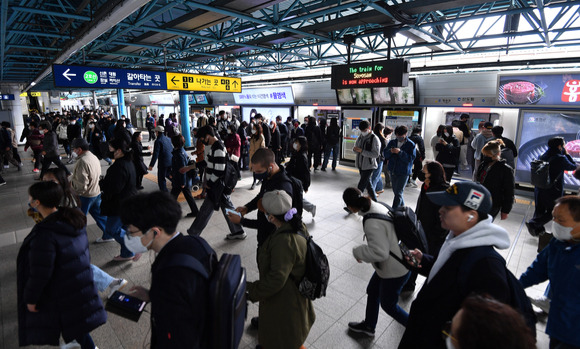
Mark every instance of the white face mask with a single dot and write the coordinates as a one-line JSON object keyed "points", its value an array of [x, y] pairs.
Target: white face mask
{"points": [[73, 122], [253, 132], [446, 134], [295, 146], [365, 133], [561, 232], [449, 343], [229, 132], [91, 126], [41, 131], [74, 155], [134, 244]]}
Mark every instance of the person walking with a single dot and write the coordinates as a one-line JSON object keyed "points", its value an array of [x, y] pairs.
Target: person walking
{"points": [[314, 137], [162, 149], [420, 151], [298, 168], [376, 179], [400, 154], [332, 144], [180, 182], [50, 149], [34, 141], [366, 147], [138, 153], [463, 127], [73, 131], [233, 146]]}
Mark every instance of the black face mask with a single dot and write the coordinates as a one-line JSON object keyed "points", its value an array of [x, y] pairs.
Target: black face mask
{"points": [[486, 159], [261, 176], [111, 155], [421, 176]]}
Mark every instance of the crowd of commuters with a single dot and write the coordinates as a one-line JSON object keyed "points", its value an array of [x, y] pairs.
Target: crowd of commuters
{"points": [[467, 292]]}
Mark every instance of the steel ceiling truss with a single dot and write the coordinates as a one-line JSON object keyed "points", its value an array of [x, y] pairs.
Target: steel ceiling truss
{"points": [[288, 35]]}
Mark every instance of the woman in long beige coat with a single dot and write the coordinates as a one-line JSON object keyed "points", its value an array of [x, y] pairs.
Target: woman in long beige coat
{"points": [[257, 141], [286, 316]]}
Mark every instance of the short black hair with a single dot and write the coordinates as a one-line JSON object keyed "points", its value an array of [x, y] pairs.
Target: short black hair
{"points": [[204, 131], [148, 210], [464, 116], [363, 125], [178, 141], [48, 193], [497, 130], [353, 197], [555, 142], [401, 130], [6, 124], [263, 157], [417, 129], [45, 125]]}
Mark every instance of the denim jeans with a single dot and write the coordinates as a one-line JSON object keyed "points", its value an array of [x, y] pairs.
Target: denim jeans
{"points": [[307, 205], [93, 206], [365, 183], [86, 341], [385, 292], [114, 229], [327, 149], [206, 211], [102, 279], [376, 179], [399, 182], [162, 173]]}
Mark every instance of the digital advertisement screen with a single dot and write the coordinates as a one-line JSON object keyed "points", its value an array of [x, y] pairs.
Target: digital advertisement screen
{"points": [[269, 113], [164, 98], [395, 95], [344, 96], [354, 96], [537, 127], [200, 98], [542, 89], [265, 96]]}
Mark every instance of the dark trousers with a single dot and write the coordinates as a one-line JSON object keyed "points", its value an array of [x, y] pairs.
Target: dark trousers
{"points": [[206, 211], [385, 293], [556, 344], [417, 167], [15, 155], [365, 183], [47, 160], [314, 150], [139, 180], [37, 154], [7, 155], [544, 200], [162, 174], [176, 189], [327, 150], [448, 173], [86, 342], [151, 133], [66, 145]]}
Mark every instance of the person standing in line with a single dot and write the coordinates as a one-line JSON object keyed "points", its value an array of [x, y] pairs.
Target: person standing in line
{"points": [[275, 143], [387, 133], [119, 183], [55, 289], [256, 142], [498, 177], [509, 151], [233, 146], [314, 137], [180, 182], [13, 137], [50, 149], [244, 163], [435, 140], [162, 149], [217, 194], [140, 167], [150, 124], [390, 274], [6, 147], [332, 145], [223, 124], [376, 179], [463, 127], [448, 151], [485, 135], [400, 153], [418, 163], [367, 147], [284, 134], [265, 129]]}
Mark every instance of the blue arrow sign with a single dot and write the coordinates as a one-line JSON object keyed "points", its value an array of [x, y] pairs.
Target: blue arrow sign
{"points": [[103, 77]]}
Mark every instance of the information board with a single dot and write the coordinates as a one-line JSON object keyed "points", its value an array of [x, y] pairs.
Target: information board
{"points": [[265, 96], [8, 97], [193, 82], [386, 73]]}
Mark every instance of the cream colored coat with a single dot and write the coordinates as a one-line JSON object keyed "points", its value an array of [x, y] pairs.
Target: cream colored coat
{"points": [[85, 176]]}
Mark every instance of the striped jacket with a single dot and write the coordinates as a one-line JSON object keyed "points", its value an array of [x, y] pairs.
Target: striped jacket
{"points": [[216, 163]]}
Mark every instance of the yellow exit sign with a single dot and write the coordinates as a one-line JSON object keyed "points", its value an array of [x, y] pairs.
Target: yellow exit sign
{"points": [[400, 113], [35, 94], [194, 82]]}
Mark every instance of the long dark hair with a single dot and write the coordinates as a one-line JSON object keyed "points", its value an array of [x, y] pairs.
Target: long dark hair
{"points": [[437, 173], [379, 127], [70, 198], [353, 197], [50, 195], [118, 143], [303, 144], [258, 127]]}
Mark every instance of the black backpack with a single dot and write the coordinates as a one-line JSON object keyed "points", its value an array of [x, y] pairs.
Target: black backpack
{"points": [[297, 194], [407, 227], [230, 177], [315, 281], [518, 298], [540, 173], [227, 296]]}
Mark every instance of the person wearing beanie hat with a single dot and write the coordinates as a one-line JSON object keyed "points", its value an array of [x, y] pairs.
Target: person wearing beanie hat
{"points": [[85, 182], [285, 315], [467, 263]]}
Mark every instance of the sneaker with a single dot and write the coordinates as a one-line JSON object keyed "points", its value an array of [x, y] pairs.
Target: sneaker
{"points": [[347, 210], [191, 214], [241, 236], [36, 170], [313, 211], [253, 186], [70, 161], [413, 184], [122, 259], [101, 240], [20, 164], [6, 166], [323, 169], [2, 183], [116, 285], [541, 302], [534, 230], [361, 327]]}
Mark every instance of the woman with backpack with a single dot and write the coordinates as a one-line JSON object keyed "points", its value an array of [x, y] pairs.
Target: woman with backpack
{"points": [[498, 177], [390, 274], [285, 315]]}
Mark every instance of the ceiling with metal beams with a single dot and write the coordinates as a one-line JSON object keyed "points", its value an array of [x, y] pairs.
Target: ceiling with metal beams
{"points": [[249, 37]]}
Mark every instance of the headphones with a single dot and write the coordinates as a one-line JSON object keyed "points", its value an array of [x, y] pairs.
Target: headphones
{"points": [[470, 217]]}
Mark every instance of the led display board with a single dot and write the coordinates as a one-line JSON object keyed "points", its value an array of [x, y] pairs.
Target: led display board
{"points": [[386, 73]]}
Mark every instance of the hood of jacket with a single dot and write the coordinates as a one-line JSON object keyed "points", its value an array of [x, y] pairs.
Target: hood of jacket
{"points": [[484, 233], [55, 223]]}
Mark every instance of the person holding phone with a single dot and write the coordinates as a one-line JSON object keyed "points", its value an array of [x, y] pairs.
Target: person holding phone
{"points": [[390, 274]]}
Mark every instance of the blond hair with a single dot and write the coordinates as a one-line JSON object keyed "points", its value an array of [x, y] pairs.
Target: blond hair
{"points": [[493, 147]]}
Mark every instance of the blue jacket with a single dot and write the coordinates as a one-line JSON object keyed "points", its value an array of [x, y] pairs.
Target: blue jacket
{"points": [[162, 149], [402, 162], [560, 263], [178, 161]]}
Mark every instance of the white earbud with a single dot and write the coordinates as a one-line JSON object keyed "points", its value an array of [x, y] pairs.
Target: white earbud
{"points": [[470, 218]]}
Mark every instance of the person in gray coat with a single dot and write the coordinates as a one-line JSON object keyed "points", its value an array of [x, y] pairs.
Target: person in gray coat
{"points": [[367, 149]]}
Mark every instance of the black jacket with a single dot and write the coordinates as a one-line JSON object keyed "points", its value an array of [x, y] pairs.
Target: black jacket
{"points": [[448, 154], [314, 136], [179, 297], [428, 213], [500, 182], [267, 134], [73, 131], [119, 183], [140, 167], [275, 141], [466, 132], [441, 298], [559, 162], [54, 272], [418, 140], [332, 134], [298, 168], [50, 144], [122, 133]]}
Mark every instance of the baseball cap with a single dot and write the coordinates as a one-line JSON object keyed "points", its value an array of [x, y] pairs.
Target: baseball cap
{"points": [[488, 125], [470, 194], [277, 202], [160, 129]]}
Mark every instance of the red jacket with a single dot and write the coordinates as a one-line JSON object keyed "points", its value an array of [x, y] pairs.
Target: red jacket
{"points": [[233, 144], [34, 141]]}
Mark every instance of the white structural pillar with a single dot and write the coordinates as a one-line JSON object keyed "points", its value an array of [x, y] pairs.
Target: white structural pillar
{"points": [[95, 102], [14, 108]]}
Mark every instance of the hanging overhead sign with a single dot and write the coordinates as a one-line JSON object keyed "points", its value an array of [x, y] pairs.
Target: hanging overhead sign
{"points": [[35, 94], [8, 97], [194, 82], [103, 77], [386, 73], [266, 95]]}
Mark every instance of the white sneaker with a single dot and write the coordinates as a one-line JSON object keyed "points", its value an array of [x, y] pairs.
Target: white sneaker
{"points": [[313, 211], [101, 240], [6, 166], [542, 303], [116, 285]]}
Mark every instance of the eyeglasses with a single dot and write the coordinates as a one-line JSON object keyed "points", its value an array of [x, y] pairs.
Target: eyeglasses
{"points": [[446, 332]]}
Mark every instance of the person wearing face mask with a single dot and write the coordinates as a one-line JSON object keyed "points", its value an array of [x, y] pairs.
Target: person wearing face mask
{"points": [[298, 168], [179, 318], [34, 141], [256, 142], [471, 240], [494, 174], [485, 135], [400, 154], [544, 198], [559, 262], [448, 151], [483, 323], [55, 289], [314, 136], [162, 150], [119, 183], [367, 148], [216, 198], [435, 139], [282, 261], [73, 131], [49, 149], [233, 146]]}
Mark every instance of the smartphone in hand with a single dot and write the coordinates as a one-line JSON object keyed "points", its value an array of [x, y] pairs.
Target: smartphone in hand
{"points": [[405, 250], [228, 211]]}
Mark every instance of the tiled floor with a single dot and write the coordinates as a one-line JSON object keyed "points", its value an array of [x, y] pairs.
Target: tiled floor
{"points": [[332, 229]]}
